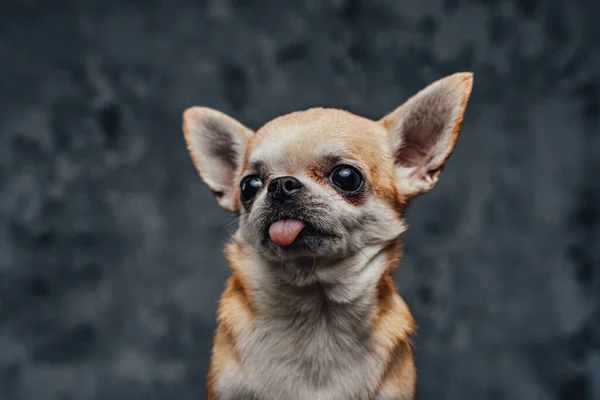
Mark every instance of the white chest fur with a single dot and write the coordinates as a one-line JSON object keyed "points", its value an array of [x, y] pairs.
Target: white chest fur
{"points": [[323, 358], [314, 343]]}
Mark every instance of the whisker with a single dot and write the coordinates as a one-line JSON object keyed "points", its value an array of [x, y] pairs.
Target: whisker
{"points": [[232, 221], [312, 269]]}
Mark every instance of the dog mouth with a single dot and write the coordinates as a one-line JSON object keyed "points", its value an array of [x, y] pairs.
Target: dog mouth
{"points": [[293, 231], [285, 231]]}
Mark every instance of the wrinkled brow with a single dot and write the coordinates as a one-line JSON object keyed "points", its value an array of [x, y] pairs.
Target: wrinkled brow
{"points": [[326, 162], [257, 167]]}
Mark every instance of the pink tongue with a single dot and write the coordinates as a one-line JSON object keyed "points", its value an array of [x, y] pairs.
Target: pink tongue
{"points": [[284, 232]]}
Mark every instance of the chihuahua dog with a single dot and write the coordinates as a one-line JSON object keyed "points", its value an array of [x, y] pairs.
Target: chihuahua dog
{"points": [[310, 311]]}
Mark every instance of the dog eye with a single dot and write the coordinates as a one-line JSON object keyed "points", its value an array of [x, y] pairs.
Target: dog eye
{"points": [[346, 178], [249, 187]]}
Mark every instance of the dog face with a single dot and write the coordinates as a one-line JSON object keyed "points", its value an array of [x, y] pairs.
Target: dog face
{"points": [[325, 183]]}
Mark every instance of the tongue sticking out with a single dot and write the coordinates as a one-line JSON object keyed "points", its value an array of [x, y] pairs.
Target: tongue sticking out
{"points": [[284, 232]]}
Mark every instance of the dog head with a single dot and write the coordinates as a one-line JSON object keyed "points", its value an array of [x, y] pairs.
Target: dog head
{"points": [[325, 183]]}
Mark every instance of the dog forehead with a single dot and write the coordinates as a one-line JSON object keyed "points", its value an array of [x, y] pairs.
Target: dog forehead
{"points": [[298, 139]]}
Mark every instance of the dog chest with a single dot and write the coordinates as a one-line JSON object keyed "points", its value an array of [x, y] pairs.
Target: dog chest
{"points": [[324, 357]]}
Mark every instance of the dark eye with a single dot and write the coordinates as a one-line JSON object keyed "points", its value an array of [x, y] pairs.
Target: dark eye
{"points": [[346, 178], [249, 187]]}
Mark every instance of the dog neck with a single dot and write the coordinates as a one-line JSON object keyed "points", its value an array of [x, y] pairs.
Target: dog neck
{"points": [[360, 282]]}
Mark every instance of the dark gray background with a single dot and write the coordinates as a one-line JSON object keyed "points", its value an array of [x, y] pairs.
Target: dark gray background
{"points": [[110, 245]]}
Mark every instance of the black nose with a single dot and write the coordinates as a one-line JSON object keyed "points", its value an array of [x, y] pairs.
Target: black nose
{"points": [[281, 189]]}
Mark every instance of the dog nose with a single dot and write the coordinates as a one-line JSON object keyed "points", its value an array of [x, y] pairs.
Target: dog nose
{"points": [[281, 189]]}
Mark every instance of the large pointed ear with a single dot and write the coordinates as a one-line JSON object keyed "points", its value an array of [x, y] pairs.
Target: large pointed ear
{"points": [[216, 143], [423, 131]]}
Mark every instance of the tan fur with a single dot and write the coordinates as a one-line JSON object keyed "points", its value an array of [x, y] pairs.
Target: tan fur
{"points": [[336, 329]]}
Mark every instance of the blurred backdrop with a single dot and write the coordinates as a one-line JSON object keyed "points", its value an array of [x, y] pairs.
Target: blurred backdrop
{"points": [[110, 245]]}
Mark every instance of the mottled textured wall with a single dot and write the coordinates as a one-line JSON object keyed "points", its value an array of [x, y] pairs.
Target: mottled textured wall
{"points": [[110, 261]]}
